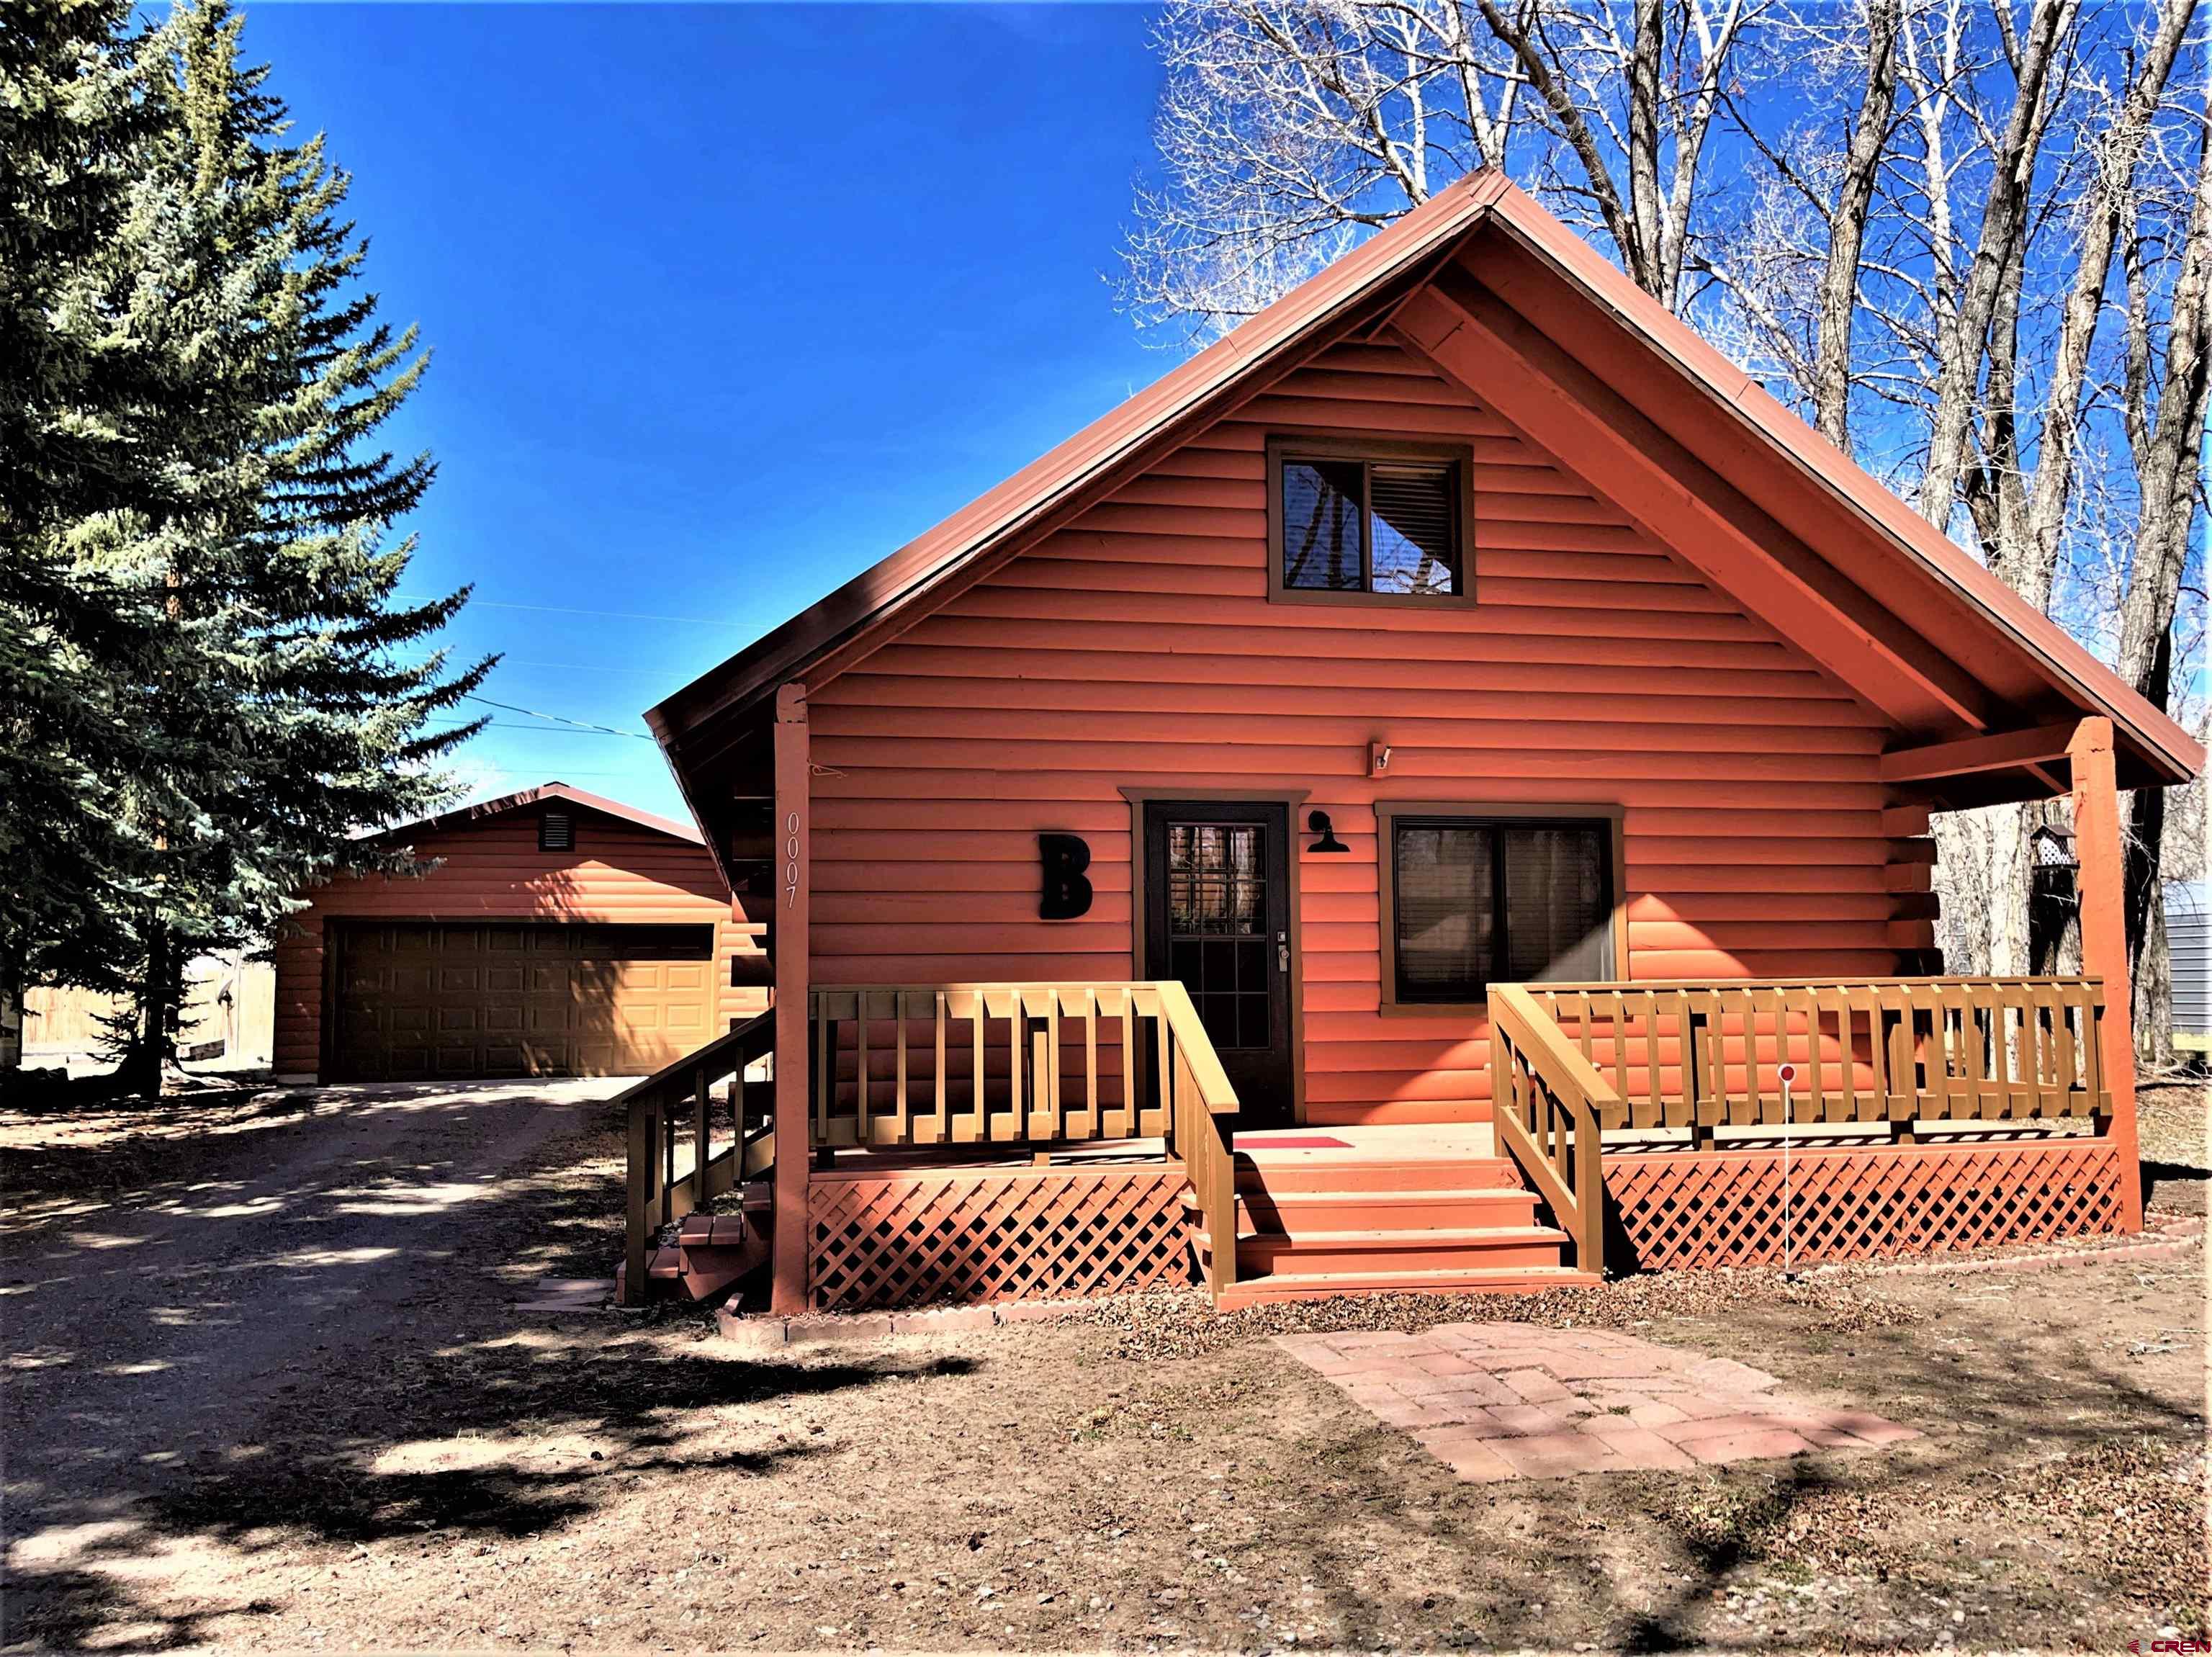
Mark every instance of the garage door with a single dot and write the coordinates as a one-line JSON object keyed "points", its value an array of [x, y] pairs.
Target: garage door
{"points": [[415, 1001]]}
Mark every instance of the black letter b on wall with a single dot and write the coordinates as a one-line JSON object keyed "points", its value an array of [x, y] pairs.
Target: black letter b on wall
{"points": [[1066, 894]]}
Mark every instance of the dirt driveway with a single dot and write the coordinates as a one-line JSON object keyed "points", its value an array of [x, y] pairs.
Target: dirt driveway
{"points": [[176, 1279], [271, 1389]]}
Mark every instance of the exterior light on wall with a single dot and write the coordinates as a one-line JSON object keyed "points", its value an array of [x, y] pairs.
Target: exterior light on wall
{"points": [[1378, 759], [1318, 822]]}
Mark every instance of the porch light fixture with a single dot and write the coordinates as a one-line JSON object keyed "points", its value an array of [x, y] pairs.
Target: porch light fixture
{"points": [[1318, 822]]}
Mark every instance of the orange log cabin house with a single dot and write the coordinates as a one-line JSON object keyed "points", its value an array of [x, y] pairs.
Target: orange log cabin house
{"points": [[1431, 794]]}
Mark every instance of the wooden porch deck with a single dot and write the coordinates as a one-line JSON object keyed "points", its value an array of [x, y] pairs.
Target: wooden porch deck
{"points": [[1412, 1142], [1265, 1149], [1017, 1141]]}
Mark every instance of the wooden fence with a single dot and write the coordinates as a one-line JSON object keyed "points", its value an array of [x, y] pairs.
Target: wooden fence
{"points": [[229, 1001], [1568, 1061], [953, 1064]]}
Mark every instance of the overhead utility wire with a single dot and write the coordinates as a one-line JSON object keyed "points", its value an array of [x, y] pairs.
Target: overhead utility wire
{"points": [[557, 719]]}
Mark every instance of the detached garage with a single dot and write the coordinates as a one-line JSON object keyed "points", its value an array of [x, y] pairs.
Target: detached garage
{"points": [[553, 933]]}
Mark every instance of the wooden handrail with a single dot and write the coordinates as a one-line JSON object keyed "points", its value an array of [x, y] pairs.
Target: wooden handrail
{"points": [[1211, 1080], [1204, 1108], [1893, 1050], [679, 1096], [1547, 1100]]}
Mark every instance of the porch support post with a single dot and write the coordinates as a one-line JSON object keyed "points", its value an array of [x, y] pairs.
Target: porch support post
{"points": [[793, 1111], [2099, 882]]}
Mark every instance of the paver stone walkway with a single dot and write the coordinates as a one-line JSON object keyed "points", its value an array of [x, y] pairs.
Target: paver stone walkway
{"points": [[1505, 1400]]}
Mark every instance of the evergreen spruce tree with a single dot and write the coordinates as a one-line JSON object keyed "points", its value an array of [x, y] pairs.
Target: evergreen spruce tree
{"points": [[80, 611], [245, 642]]}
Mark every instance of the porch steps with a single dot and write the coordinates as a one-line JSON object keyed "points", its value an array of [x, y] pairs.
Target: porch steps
{"points": [[1325, 1253], [711, 1252], [1311, 1225], [1476, 1209], [1477, 1280]]}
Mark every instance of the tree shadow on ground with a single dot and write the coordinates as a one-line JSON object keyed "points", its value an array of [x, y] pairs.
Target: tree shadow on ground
{"points": [[1549, 1561], [450, 1418]]}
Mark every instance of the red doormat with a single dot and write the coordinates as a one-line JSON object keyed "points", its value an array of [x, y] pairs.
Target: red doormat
{"points": [[1289, 1141]]}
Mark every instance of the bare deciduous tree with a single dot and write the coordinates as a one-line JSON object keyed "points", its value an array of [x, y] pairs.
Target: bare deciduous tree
{"points": [[1967, 238], [1286, 130]]}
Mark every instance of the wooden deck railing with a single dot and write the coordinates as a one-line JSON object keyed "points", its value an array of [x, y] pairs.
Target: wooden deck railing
{"points": [[1569, 1060], [676, 1106], [1547, 1100], [1899, 1050], [1002, 1064], [990, 1063]]}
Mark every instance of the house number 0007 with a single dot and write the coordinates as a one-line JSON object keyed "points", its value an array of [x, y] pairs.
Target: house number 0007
{"points": [[791, 860]]}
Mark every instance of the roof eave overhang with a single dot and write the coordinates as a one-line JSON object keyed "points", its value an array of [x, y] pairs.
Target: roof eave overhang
{"points": [[522, 799]]}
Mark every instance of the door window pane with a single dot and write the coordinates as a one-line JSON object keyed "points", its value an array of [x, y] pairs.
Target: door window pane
{"points": [[1218, 943]]}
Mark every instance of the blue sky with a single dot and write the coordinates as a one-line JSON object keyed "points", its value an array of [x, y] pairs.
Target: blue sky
{"points": [[726, 303]]}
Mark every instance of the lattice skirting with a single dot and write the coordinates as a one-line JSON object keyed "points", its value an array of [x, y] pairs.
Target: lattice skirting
{"points": [[1725, 1207], [918, 1238]]}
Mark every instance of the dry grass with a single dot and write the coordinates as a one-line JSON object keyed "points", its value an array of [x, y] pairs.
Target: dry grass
{"points": [[443, 1472]]}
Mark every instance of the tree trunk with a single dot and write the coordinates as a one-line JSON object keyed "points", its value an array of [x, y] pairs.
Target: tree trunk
{"points": [[145, 1061], [2144, 895], [2167, 451], [2153, 965], [2167, 456], [2110, 207], [11, 1022], [2002, 242], [1836, 302]]}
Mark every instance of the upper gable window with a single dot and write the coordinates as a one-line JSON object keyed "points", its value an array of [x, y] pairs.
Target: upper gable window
{"points": [[1382, 522]]}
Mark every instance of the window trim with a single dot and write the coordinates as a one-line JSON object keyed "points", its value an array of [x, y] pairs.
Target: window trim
{"points": [[1338, 446], [1386, 814]]}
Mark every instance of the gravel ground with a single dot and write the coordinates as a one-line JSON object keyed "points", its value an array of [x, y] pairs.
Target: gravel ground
{"points": [[417, 1466]]}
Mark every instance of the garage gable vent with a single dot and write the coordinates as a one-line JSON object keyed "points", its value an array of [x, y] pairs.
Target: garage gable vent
{"points": [[556, 831]]}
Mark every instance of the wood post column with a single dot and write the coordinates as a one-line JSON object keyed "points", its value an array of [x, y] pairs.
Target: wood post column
{"points": [[794, 1102], [2099, 882]]}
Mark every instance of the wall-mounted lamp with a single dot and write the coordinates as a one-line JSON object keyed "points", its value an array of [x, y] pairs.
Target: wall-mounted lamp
{"points": [[1318, 822], [1378, 759]]}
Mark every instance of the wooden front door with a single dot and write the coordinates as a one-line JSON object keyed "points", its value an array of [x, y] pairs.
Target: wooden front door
{"points": [[1217, 917]]}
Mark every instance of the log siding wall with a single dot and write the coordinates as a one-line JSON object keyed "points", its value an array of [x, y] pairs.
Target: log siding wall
{"points": [[494, 870], [1137, 648]]}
